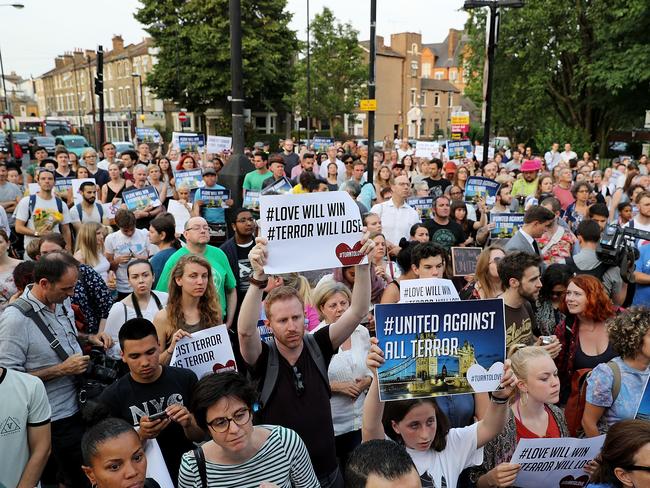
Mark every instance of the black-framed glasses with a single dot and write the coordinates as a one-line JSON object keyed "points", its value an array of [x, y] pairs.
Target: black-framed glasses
{"points": [[222, 424], [297, 381], [634, 467]]}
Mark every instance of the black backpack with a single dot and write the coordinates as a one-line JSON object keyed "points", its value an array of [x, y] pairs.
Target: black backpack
{"points": [[598, 272]]}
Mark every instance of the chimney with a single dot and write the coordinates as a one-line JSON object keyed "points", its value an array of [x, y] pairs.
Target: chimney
{"points": [[58, 62], [78, 56], [380, 41], [67, 59], [452, 42], [118, 43]]}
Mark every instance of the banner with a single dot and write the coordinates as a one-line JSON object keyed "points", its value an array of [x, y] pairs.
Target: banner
{"points": [[146, 134], [181, 214], [76, 188], [478, 153], [423, 206], [506, 224], [110, 209], [458, 149], [452, 348], [176, 135], [459, 125], [464, 259], [251, 200], [193, 143], [215, 198], [427, 149], [280, 187], [479, 186], [321, 143], [190, 178], [555, 463], [218, 144], [310, 231], [427, 290], [139, 198], [207, 351]]}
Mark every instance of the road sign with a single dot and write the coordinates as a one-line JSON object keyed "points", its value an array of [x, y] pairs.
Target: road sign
{"points": [[368, 105], [182, 117]]}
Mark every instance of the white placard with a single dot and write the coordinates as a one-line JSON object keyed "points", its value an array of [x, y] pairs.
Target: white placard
{"points": [[76, 184], [478, 152], [156, 466], [218, 144], [555, 462], [34, 188], [207, 351], [111, 209], [174, 141], [311, 231], [426, 149], [427, 290], [181, 214]]}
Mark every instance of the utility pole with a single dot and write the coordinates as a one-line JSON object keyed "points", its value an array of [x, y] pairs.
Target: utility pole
{"points": [[92, 101], [76, 87], [371, 90], [99, 91], [8, 115]]}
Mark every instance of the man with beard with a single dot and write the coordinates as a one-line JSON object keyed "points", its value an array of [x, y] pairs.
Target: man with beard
{"points": [[527, 185], [503, 200], [443, 230], [88, 210]]}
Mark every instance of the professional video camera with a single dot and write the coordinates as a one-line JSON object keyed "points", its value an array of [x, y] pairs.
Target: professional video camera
{"points": [[617, 245]]}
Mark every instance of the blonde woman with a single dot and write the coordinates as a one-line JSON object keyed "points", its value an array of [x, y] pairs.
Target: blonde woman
{"points": [[301, 284], [156, 180], [486, 282], [90, 248], [193, 304]]}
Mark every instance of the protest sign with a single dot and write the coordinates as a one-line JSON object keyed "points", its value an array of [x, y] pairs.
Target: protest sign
{"points": [[280, 187], [459, 125], [218, 144], [207, 351], [110, 208], [423, 206], [62, 185], [321, 143], [479, 186], [190, 178], [251, 200], [181, 214], [463, 260], [310, 231], [555, 463], [458, 149], [176, 135], [147, 134], [139, 198], [452, 348], [506, 224], [478, 153], [427, 149], [76, 188], [643, 412], [215, 198], [156, 466], [193, 143], [427, 290]]}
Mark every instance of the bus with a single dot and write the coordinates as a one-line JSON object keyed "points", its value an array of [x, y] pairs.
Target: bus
{"points": [[49, 126]]}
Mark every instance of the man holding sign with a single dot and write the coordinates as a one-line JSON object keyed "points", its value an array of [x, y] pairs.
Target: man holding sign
{"points": [[292, 371]]}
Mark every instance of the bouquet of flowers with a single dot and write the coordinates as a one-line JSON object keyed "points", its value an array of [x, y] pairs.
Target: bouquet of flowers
{"points": [[45, 219]]}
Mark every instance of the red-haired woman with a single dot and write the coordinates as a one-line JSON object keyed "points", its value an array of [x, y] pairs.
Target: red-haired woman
{"points": [[185, 163], [583, 335]]}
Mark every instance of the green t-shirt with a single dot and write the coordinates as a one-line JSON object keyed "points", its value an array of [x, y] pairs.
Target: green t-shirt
{"points": [[522, 187], [254, 180], [224, 279]]}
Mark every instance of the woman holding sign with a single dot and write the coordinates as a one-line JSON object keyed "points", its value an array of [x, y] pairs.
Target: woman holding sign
{"points": [[440, 454], [193, 304]]}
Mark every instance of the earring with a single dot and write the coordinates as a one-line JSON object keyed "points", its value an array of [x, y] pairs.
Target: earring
{"points": [[523, 397]]}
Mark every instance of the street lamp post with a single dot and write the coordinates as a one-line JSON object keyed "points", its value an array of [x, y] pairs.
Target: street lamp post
{"points": [[491, 47], [4, 86], [370, 170], [139, 77]]}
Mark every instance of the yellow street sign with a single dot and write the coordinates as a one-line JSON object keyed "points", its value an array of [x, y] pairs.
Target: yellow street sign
{"points": [[368, 105]]}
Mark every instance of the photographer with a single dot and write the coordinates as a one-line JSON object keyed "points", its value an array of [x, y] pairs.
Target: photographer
{"points": [[24, 347], [588, 262]]}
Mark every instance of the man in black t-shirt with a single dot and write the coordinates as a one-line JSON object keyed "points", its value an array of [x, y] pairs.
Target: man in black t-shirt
{"points": [[237, 248], [436, 182], [151, 388], [443, 230], [300, 398]]}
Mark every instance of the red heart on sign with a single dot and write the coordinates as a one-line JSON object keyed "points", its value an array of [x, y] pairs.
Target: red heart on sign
{"points": [[349, 256], [571, 482], [220, 368]]}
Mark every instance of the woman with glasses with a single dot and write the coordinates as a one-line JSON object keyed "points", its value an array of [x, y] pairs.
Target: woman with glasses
{"points": [[578, 210], [193, 304], [239, 453], [486, 282]]}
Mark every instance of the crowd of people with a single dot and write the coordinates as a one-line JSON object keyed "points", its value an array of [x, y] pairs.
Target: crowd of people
{"points": [[87, 295]]}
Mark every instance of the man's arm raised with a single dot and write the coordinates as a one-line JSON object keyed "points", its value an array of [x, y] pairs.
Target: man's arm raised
{"points": [[250, 343]]}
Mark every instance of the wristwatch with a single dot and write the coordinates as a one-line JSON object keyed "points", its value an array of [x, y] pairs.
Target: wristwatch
{"points": [[258, 283]]}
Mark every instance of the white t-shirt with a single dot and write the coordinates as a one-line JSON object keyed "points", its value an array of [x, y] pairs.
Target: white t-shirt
{"points": [[22, 213], [88, 217], [24, 404], [637, 225], [118, 245], [120, 313], [442, 469]]}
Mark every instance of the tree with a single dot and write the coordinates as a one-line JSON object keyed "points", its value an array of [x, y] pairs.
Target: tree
{"points": [[338, 71], [580, 67], [193, 37]]}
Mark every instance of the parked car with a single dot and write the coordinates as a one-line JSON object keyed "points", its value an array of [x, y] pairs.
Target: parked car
{"points": [[22, 138], [46, 142], [121, 146], [73, 143]]}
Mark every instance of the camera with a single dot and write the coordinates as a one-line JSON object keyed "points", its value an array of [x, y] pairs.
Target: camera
{"points": [[617, 245], [101, 368]]}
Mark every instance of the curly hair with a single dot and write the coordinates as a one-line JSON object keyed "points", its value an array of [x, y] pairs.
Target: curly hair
{"points": [[599, 306], [209, 306], [627, 330]]}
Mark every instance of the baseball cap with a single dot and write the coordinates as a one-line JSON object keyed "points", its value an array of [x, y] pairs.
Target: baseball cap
{"points": [[209, 171]]}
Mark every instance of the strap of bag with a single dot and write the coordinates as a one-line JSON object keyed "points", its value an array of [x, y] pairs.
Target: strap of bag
{"points": [[136, 306], [317, 355], [200, 464], [80, 212], [616, 386], [28, 311], [271, 376], [157, 300]]}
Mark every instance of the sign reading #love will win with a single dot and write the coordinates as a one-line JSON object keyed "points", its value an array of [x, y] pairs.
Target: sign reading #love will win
{"points": [[207, 351], [310, 231]]}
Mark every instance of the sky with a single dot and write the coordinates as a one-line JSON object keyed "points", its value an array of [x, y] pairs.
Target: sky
{"points": [[33, 36]]}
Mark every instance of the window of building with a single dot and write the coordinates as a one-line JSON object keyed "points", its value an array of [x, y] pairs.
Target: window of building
{"points": [[451, 99], [413, 97], [436, 99], [436, 125], [438, 75], [414, 69], [111, 98], [423, 122], [426, 70], [127, 97], [423, 98], [453, 75], [120, 70]]}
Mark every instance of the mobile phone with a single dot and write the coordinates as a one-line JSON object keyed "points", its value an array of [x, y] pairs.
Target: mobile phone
{"points": [[546, 340], [158, 416]]}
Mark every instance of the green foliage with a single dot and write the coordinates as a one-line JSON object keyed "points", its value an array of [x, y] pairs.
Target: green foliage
{"points": [[338, 71], [193, 37], [566, 66]]}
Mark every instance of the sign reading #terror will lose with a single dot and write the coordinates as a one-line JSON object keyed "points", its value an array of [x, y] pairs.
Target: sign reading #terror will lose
{"points": [[311, 231]]}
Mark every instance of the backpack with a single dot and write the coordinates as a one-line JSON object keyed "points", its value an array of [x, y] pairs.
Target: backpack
{"points": [[100, 209], [32, 205], [273, 367], [575, 406], [598, 272]]}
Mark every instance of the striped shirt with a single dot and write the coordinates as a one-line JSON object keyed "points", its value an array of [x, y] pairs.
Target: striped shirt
{"points": [[282, 459]]}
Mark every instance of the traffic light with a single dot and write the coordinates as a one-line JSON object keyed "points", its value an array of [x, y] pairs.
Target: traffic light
{"points": [[99, 79]]}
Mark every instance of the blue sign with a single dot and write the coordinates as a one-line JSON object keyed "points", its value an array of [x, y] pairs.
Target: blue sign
{"points": [[321, 143], [423, 206], [191, 143], [251, 200], [458, 149], [147, 134], [479, 186], [506, 224], [139, 198], [215, 198], [446, 348]]}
